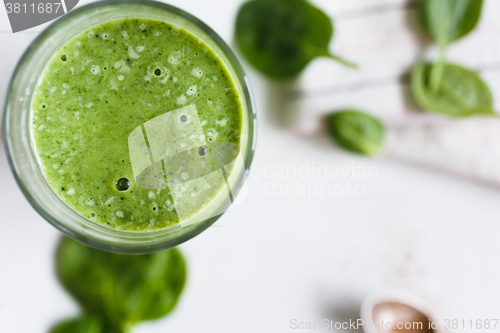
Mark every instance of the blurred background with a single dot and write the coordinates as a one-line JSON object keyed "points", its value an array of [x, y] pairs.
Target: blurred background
{"points": [[422, 217]]}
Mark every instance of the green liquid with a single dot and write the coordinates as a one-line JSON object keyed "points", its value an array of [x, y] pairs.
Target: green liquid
{"points": [[101, 85]]}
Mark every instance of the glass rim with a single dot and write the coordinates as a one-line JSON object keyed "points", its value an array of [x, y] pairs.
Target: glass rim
{"points": [[137, 242]]}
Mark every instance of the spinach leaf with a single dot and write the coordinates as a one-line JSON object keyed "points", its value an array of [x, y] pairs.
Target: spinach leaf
{"points": [[461, 92], [449, 20], [85, 324], [121, 289], [280, 37], [356, 131]]}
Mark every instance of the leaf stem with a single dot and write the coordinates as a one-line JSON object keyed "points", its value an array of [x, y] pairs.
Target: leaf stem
{"points": [[314, 50], [342, 61], [437, 71]]}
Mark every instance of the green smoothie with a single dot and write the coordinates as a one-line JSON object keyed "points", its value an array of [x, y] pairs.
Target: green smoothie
{"points": [[99, 87]]}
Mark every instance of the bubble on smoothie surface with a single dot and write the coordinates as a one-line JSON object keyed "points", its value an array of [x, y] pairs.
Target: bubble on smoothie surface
{"points": [[212, 133], [173, 58], [90, 34], [124, 34], [109, 201], [90, 202], [105, 35], [121, 77], [181, 100], [151, 195], [120, 214], [203, 123], [120, 65], [123, 184], [95, 69], [71, 191], [140, 48], [191, 90], [132, 54], [198, 73], [142, 26]]}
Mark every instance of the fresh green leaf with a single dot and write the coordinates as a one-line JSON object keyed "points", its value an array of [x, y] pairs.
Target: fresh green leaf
{"points": [[460, 93], [121, 289], [85, 324], [280, 37], [356, 131], [449, 20]]}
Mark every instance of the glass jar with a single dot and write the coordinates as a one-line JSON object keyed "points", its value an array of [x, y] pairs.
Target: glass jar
{"points": [[20, 146]]}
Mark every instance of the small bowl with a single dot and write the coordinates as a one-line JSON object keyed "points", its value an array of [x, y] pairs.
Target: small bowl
{"points": [[399, 312]]}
